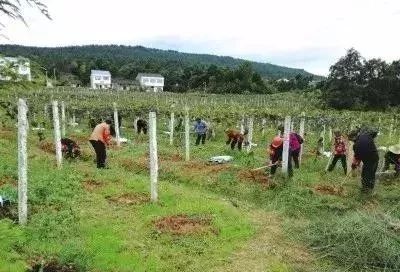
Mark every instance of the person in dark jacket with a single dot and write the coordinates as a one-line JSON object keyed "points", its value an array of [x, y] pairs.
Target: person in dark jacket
{"points": [[365, 151], [141, 126], [393, 157]]}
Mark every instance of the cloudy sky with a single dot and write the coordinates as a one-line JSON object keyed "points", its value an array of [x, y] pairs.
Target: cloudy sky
{"points": [[309, 34]]}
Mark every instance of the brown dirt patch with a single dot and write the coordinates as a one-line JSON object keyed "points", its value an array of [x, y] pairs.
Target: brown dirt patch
{"points": [[91, 184], [8, 134], [47, 147], [184, 225], [51, 266], [173, 158], [8, 180], [257, 177], [326, 189], [205, 168], [136, 165], [129, 199], [79, 139]]}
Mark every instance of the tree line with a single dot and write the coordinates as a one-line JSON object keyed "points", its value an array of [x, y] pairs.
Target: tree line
{"points": [[357, 83]]}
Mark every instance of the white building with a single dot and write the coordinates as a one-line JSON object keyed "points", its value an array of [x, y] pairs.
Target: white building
{"points": [[151, 82], [100, 79], [15, 68]]}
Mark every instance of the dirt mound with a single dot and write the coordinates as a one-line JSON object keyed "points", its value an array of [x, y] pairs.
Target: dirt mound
{"points": [[8, 180], [255, 176], [47, 147], [79, 139], [51, 266], [206, 168], [8, 134], [173, 158], [326, 189], [129, 199], [137, 165], [91, 184], [183, 225]]}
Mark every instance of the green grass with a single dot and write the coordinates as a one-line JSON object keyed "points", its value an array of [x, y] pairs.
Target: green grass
{"points": [[290, 227]]}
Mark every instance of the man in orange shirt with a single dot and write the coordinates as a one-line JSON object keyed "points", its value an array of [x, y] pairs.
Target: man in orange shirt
{"points": [[99, 139]]}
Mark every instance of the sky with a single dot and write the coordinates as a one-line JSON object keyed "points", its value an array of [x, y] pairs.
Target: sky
{"points": [[308, 34]]}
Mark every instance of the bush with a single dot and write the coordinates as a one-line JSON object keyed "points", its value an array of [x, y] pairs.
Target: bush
{"points": [[358, 241]]}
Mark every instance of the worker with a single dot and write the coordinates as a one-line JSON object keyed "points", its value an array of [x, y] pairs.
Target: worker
{"points": [[200, 128], [392, 156], [339, 152], [100, 138], [235, 137], [365, 151], [275, 153], [141, 126], [70, 148], [295, 142]]}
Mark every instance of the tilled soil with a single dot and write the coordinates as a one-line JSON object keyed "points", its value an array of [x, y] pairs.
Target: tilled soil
{"points": [[326, 189], [184, 225], [51, 266], [129, 199]]}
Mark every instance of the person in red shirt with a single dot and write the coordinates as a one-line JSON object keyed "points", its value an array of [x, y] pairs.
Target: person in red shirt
{"points": [[275, 154], [235, 137], [99, 138], [339, 152]]}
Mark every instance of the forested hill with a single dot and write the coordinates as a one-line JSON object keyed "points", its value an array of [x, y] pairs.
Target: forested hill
{"points": [[126, 61]]}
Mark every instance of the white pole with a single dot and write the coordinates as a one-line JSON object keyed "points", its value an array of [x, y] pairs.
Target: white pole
{"points": [[171, 128], [57, 134], [116, 124], [263, 123], [135, 124], [323, 138], [187, 135], [285, 154], [301, 132], [330, 134], [22, 162], [153, 156], [242, 126], [250, 134], [391, 131], [62, 119]]}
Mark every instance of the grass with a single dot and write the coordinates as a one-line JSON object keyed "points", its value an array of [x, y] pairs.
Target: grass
{"points": [[293, 226]]}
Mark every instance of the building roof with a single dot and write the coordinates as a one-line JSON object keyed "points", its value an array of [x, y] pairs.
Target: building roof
{"points": [[100, 73], [148, 75]]}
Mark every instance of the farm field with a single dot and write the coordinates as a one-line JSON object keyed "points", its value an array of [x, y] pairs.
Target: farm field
{"points": [[208, 217]]}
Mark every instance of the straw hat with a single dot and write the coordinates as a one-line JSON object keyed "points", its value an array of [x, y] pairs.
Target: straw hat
{"points": [[395, 149]]}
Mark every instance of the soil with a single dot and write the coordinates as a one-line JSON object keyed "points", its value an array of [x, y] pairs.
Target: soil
{"points": [[129, 199], [47, 147], [184, 225], [8, 180], [51, 266], [205, 168], [326, 189], [257, 177], [173, 158], [91, 184], [79, 139], [7, 134], [138, 165]]}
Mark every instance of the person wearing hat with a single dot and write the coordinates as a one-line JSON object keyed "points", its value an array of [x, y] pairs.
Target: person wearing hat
{"points": [[275, 153], [339, 151], [393, 157], [365, 151]]}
